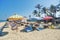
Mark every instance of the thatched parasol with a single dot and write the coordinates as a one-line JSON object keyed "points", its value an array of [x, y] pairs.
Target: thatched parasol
{"points": [[16, 17]]}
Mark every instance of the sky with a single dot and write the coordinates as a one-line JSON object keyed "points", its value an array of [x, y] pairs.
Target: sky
{"points": [[21, 7]]}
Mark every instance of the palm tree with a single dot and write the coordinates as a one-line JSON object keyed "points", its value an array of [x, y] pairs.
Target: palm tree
{"points": [[58, 6], [35, 12], [53, 10], [38, 6], [44, 9], [29, 16]]}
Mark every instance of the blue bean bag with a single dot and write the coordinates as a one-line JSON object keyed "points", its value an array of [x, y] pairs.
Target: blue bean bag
{"points": [[38, 29], [28, 29]]}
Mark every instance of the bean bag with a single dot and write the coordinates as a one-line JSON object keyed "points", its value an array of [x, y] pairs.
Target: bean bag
{"points": [[51, 27], [28, 29], [38, 29]]}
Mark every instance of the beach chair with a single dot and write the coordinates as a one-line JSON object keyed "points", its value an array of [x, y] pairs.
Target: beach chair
{"points": [[13, 26], [1, 29]]}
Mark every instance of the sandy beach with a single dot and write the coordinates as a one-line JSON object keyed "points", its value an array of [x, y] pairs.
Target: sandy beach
{"points": [[46, 34]]}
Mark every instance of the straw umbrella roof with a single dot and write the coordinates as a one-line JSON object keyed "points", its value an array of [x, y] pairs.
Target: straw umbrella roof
{"points": [[15, 17]]}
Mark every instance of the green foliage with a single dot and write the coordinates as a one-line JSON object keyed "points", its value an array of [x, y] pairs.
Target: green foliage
{"points": [[45, 10], [53, 9]]}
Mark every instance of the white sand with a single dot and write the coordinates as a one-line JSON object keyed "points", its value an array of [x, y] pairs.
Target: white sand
{"points": [[46, 34], [2, 23]]}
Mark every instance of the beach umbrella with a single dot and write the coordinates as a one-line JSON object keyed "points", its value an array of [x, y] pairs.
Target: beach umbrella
{"points": [[48, 18], [15, 17]]}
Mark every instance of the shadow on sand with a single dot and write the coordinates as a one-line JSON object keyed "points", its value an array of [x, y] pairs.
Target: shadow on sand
{"points": [[3, 34]]}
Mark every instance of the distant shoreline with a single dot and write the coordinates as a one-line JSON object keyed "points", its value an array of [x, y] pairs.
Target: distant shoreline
{"points": [[3, 20]]}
